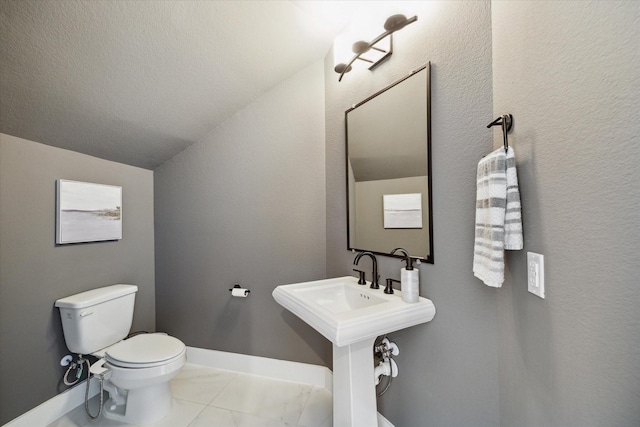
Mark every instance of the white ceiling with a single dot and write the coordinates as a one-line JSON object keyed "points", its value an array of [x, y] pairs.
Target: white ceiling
{"points": [[139, 81]]}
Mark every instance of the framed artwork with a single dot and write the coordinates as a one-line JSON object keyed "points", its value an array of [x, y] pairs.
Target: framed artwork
{"points": [[402, 210], [87, 212]]}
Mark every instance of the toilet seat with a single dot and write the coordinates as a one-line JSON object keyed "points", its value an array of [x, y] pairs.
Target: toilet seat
{"points": [[145, 351]]}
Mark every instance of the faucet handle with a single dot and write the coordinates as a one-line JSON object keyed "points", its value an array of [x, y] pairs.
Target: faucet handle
{"points": [[389, 288], [361, 280]]}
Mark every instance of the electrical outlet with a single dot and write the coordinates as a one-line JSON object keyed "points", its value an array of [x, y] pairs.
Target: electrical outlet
{"points": [[535, 273]]}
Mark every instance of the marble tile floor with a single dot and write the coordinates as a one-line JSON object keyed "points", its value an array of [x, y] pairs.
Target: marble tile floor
{"points": [[206, 397]]}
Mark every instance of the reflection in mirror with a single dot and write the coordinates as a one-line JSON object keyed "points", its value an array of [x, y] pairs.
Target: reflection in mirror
{"points": [[389, 169]]}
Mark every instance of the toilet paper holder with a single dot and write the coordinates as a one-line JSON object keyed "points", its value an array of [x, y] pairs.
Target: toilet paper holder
{"points": [[237, 291]]}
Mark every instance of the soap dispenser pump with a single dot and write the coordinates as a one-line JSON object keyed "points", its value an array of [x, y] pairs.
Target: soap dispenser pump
{"points": [[409, 278]]}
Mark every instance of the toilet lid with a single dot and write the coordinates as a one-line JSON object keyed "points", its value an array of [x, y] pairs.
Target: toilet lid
{"points": [[144, 350]]}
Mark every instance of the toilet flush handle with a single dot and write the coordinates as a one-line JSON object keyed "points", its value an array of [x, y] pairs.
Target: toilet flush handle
{"points": [[86, 313]]}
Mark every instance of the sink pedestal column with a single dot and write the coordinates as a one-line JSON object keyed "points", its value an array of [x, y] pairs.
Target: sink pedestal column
{"points": [[354, 392]]}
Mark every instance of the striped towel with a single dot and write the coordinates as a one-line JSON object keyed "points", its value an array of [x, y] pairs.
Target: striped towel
{"points": [[498, 215]]}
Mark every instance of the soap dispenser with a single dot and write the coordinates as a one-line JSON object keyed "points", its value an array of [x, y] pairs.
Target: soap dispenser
{"points": [[409, 278]]}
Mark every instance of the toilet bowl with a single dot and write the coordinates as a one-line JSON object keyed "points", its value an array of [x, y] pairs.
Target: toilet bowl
{"points": [[136, 373]]}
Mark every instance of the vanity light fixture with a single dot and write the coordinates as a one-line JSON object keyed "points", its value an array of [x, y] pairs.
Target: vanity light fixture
{"points": [[374, 47]]}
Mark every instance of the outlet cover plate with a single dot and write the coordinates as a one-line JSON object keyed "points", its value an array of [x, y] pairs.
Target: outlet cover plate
{"points": [[535, 273]]}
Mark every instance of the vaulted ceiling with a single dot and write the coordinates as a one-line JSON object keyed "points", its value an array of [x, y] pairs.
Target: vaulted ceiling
{"points": [[139, 81]]}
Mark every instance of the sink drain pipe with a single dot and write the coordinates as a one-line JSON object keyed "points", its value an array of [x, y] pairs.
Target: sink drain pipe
{"points": [[385, 350]]}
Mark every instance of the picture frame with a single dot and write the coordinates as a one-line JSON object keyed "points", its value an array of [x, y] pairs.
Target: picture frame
{"points": [[87, 212], [402, 210]]}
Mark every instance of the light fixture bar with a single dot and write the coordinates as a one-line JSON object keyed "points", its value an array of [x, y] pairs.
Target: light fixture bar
{"points": [[391, 25]]}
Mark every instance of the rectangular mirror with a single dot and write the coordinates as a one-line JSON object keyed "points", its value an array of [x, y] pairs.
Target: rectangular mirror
{"points": [[389, 169]]}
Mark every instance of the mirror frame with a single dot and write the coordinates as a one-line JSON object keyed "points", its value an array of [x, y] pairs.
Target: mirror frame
{"points": [[425, 259]]}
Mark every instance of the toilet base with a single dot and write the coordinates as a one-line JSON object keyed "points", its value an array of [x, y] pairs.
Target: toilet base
{"points": [[144, 405]]}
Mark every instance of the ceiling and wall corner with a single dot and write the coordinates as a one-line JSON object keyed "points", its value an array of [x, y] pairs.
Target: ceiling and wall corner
{"points": [[139, 81], [246, 205]]}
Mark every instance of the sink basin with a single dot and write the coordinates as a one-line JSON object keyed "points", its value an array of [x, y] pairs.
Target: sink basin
{"points": [[339, 297], [345, 312], [351, 316]]}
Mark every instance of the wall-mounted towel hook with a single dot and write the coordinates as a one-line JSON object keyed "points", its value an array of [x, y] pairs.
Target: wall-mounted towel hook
{"points": [[506, 122]]}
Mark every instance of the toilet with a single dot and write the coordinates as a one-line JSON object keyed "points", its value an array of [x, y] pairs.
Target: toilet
{"points": [[135, 371]]}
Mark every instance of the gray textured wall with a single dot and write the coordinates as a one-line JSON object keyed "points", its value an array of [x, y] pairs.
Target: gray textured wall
{"points": [[34, 272], [448, 367], [569, 72], [246, 204]]}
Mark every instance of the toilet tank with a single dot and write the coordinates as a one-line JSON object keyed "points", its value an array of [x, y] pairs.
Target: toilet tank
{"points": [[95, 319]]}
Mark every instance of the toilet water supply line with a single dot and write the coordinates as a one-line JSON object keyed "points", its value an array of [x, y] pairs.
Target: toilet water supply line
{"points": [[78, 365], [384, 350]]}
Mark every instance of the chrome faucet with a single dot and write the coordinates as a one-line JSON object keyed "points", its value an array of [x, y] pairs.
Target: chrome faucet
{"points": [[374, 280]]}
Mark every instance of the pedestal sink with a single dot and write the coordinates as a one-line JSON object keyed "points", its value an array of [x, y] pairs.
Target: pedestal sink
{"points": [[351, 316]]}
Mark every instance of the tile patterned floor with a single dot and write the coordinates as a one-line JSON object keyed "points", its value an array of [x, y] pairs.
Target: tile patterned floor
{"points": [[205, 397]]}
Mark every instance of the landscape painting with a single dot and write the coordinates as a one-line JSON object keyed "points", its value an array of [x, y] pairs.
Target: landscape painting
{"points": [[88, 212]]}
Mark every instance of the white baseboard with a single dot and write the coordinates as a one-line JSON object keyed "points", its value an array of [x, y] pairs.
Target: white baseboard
{"points": [[304, 373], [57, 406], [284, 370], [383, 422]]}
